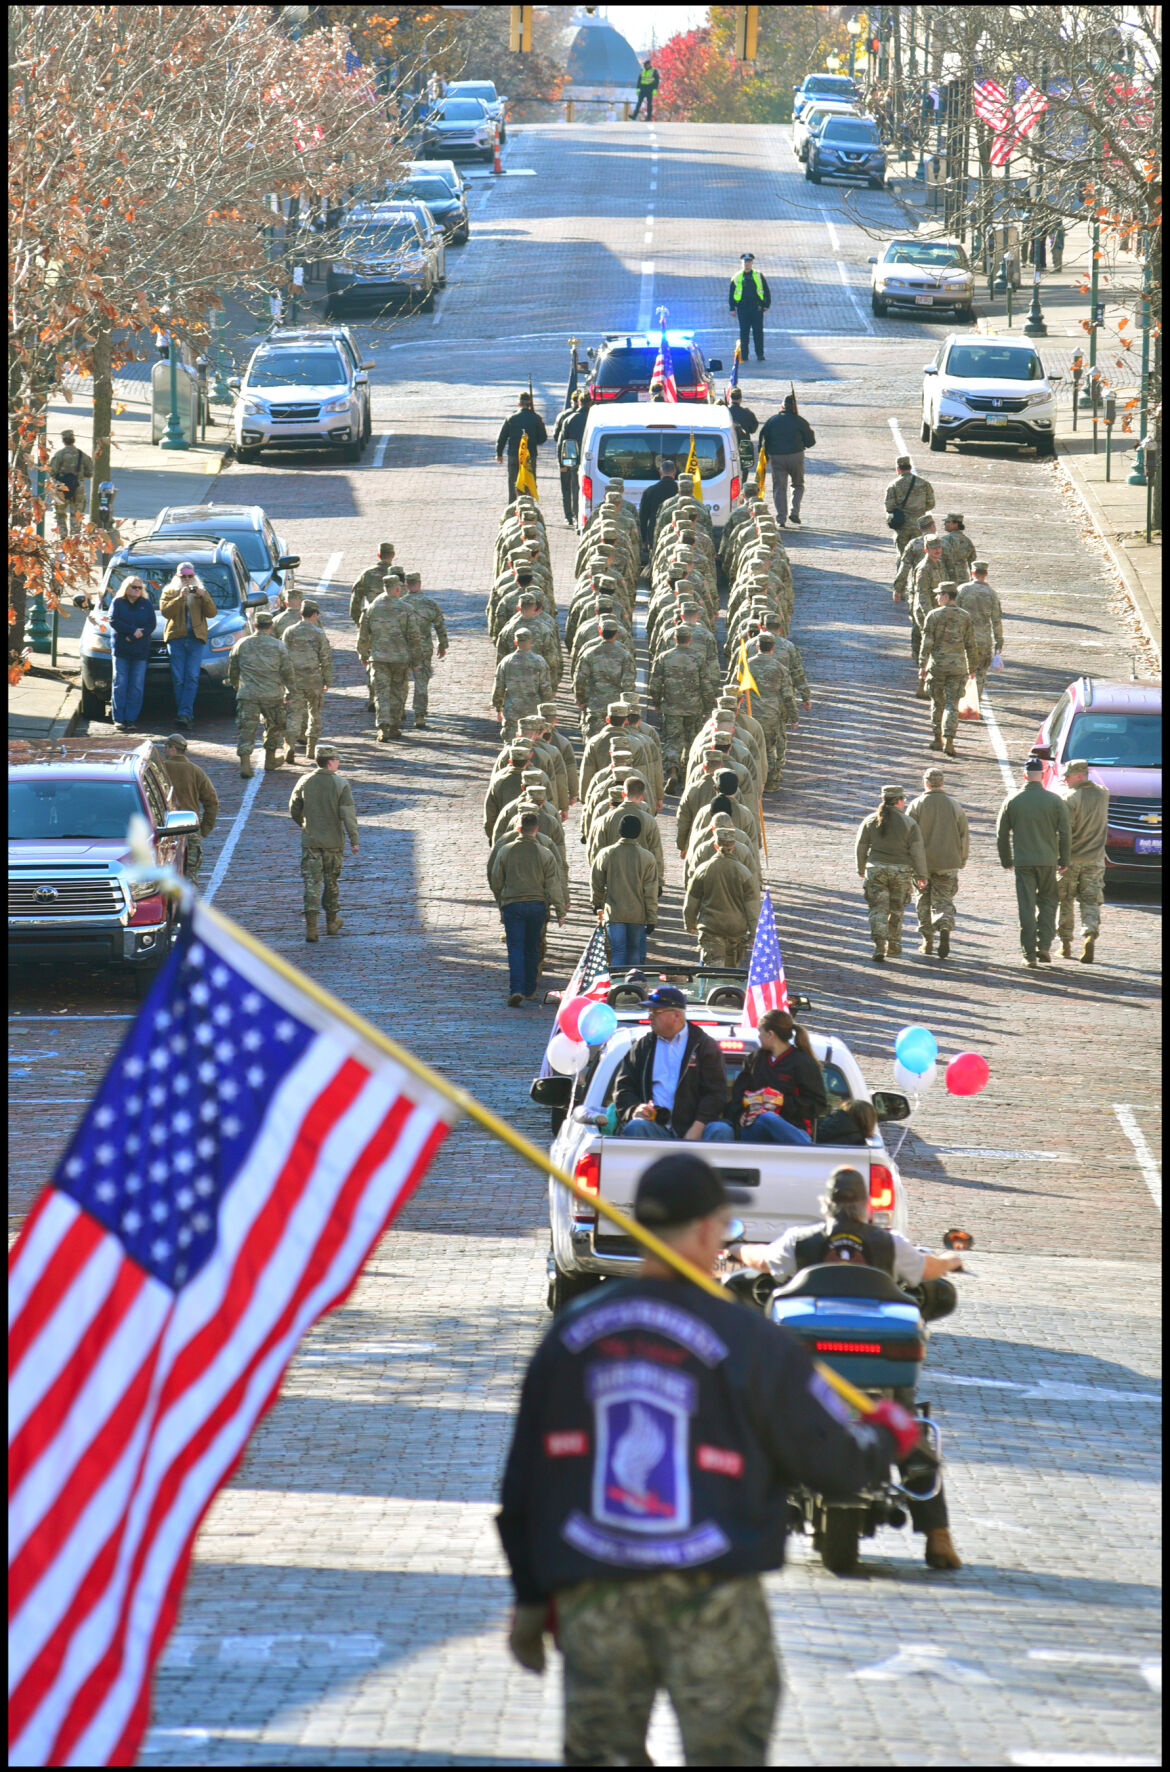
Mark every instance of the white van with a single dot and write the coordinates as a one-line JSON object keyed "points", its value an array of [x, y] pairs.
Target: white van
{"points": [[622, 439]]}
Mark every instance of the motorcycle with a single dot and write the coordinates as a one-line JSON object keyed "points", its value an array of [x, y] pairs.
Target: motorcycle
{"points": [[871, 1331]]}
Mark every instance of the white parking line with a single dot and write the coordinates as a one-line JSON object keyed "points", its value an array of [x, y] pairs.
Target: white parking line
{"points": [[866, 322], [899, 440], [1151, 1171], [437, 315], [380, 451], [997, 744], [645, 295]]}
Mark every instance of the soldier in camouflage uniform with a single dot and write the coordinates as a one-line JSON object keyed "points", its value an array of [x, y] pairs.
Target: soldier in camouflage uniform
{"points": [[290, 611], [773, 704], [602, 676], [507, 783], [312, 658], [390, 640], [430, 618], [958, 550], [910, 494], [370, 584], [261, 673], [947, 842], [522, 681], [322, 804], [651, 763], [912, 556], [947, 658], [928, 575], [983, 606], [194, 792], [1083, 880], [890, 858], [531, 730], [680, 690], [722, 906], [545, 639], [548, 712]]}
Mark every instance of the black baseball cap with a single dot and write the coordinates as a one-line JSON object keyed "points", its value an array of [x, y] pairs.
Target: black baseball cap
{"points": [[676, 1190], [667, 996]]}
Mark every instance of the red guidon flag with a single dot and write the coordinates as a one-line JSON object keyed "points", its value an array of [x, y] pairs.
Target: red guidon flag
{"points": [[244, 1151]]}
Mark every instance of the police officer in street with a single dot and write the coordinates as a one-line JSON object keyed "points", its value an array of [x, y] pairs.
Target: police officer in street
{"points": [[647, 86], [644, 1497], [524, 422], [322, 804], [1034, 837], [947, 840], [749, 298]]}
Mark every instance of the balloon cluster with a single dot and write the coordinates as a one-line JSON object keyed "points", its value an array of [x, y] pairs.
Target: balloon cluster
{"points": [[581, 1023], [916, 1067]]}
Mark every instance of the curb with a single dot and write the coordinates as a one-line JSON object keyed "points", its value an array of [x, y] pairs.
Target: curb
{"points": [[1143, 603]]}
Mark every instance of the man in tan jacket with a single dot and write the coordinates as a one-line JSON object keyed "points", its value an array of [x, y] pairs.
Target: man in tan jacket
{"points": [[186, 605], [526, 882], [947, 841], [625, 894], [193, 793]]}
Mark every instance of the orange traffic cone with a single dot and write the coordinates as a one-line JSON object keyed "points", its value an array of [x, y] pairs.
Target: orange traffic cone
{"points": [[496, 167]]}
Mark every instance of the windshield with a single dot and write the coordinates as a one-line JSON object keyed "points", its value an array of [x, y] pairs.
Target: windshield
{"points": [[38, 810], [384, 236], [847, 129], [424, 190], [838, 85], [224, 590], [478, 89], [633, 366], [298, 369], [994, 363], [460, 110], [629, 455], [1127, 741], [926, 252]]}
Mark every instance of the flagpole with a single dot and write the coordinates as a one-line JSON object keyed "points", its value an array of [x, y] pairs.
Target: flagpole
{"points": [[468, 1106]]}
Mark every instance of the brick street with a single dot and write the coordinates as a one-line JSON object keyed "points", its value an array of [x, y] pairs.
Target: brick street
{"points": [[348, 1599]]}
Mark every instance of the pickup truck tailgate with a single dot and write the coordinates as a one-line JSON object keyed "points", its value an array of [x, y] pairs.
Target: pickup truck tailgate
{"points": [[773, 1186]]}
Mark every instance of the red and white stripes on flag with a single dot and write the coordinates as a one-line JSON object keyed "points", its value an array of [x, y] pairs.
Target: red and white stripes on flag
{"points": [[766, 987], [241, 1157], [992, 106], [1009, 123]]}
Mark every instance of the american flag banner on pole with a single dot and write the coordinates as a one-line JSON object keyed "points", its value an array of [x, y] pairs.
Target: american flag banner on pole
{"points": [[766, 988], [246, 1148], [992, 106], [1028, 110], [662, 375], [590, 979]]}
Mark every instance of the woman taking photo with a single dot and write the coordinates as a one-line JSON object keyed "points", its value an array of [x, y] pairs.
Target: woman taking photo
{"points": [[133, 619], [780, 1093]]}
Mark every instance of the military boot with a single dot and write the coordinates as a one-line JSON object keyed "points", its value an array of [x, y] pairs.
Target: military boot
{"points": [[940, 1550], [944, 943], [879, 956], [927, 945], [1066, 946], [310, 929], [949, 748], [1090, 947], [246, 770], [334, 925], [290, 755], [271, 761], [936, 743]]}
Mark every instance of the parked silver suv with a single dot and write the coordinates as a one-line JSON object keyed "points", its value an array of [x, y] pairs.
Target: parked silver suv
{"points": [[303, 389]]}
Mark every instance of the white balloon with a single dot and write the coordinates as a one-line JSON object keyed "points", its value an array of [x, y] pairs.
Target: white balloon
{"points": [[914, 1082], [567, 1056]]}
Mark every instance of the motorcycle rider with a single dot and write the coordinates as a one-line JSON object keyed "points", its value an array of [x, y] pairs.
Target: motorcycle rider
{"points": [[846, 1235]]}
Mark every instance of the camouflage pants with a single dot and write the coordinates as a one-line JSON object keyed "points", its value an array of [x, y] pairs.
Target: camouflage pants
{"points": [[1083, 883], [678, 735], [194, 856], [776, 740], [886, 893], [708, 1642], [422, 689], [592, 719], [69, 513], [390, 685], [250, 711], [936, 905], [303, 714], [722, 950], [945, 691], [321, 872], [982, 666]]}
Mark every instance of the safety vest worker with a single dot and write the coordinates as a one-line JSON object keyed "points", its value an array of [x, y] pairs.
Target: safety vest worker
{"points": [[749, 298]]}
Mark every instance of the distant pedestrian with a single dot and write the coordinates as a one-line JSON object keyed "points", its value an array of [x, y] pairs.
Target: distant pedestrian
{"points": [[908, 498], [524, 422], [312, 659], [522, 682], [946, 659], [647, 86], [322, 804], [722, 907], [983, 606], [1034, 836], [947, 841], [1083, 880], [69, 471], [390, 640], [261, 673], [431, 620], [527, 885], [368, 585], [186, 605], [625, 894], [193, 792], [784, 440], [749, 298], [289, 610], [890, 858], [570, 428], [133, 619], [742, 417]]}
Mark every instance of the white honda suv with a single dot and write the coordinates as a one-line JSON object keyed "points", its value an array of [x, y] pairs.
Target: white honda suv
{"points": [[988, 391]]}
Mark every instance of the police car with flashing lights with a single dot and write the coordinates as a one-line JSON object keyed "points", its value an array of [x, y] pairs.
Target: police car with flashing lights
{"points": [[773, 1186], [621, 366]]}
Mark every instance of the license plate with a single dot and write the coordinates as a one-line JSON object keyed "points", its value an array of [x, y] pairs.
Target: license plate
{"points": [[997, 421], [1148, 845], [924, 301]]}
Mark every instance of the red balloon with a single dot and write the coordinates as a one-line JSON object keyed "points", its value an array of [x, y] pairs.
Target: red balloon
{"points": [[570, 1013], [967, 1074]]}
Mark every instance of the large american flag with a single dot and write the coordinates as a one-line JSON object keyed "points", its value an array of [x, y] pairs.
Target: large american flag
{"points": [[243, 1153], [662, 375], [590, 979], [993, 106], [1029, 108], [766, 988]]}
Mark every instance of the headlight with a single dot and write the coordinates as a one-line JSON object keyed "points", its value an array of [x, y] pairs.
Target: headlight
{"points": [[255, 406], [336, 405], [140, 889], [955, 394], [223, 642], [1040, 399]]}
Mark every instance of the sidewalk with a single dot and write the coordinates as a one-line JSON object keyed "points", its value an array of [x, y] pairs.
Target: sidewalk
{"points": [[1116, 510]]}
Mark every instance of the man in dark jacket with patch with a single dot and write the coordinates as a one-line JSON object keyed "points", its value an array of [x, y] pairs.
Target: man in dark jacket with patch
{"points": [[524, 422], [672, 1083]]}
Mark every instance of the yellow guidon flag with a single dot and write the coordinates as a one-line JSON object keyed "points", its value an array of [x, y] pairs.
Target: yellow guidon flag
{"points": [[691, 467], [745, 682], [525, 478], [761, 471]]}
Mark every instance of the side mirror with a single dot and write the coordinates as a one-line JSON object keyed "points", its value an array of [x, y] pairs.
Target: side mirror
{"points": [[930, 369], [1053, 379], [181, 824], [233, 381], [1043, 751], [370, 365], [890, 1104], [286, 561], [958, 1240], [257, 599], [873, 261], [82, 602], [715, 364]]}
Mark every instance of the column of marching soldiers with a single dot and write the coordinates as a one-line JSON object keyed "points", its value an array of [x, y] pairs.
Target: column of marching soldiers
{"points": [[723, 724]]}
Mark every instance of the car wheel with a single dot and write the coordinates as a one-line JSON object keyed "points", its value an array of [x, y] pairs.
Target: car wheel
{"points": [[564, 1288], [246, 456], [814, 176], [367, 426], [924, 432], [877, 304], [877, 184], [1046, 446], [93, 703], [938, 444], [462, 239], [966, 314]]}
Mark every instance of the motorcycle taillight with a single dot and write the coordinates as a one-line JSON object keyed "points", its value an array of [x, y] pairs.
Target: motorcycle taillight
{"points": [[881, 1188]]}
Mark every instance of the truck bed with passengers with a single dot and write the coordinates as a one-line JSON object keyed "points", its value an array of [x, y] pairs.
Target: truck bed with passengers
{"points": [[773, 1186]]}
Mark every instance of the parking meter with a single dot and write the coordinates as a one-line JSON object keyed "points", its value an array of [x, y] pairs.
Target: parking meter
{"points": [[107, 493], [1110, 415], [1110, 406]]}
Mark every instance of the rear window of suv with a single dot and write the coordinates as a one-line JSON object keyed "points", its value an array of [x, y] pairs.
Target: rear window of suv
{"points": [[633, 365], [629, 455], [51, 809], [300, 369]]}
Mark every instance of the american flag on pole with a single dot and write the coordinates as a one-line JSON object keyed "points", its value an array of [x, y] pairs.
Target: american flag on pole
{"points": [[735, 363], [243, 1153], [1028, 110], [590, 979], [992, 106], [662, 375], [766, 988]]}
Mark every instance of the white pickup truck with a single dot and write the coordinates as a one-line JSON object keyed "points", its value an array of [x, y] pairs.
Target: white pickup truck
{"points": [[773, 1186]]}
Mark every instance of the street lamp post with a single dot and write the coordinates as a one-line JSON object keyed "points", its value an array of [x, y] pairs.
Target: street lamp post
{"points": [[920, 170], [173, 437], [1095, 253], [853, 26], [1137, 474], [221, 394]]}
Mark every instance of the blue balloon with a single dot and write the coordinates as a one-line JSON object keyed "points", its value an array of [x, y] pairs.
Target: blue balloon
{"points": [[916, 1049], [597, 1023]]}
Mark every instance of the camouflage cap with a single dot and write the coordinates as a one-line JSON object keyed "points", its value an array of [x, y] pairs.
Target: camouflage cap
{"points": [[615, 790], [948, 588], [614, 485], [264, 618], [528, 596], [934, 778], [522, 634], [713, 757], [67, 436], [548, 710], [722, 821], [903, 461], [608, 628], [386, 550], [534, 778], [980, 566], [933, 541], [294, 594], [618, 708], [1076, 766], [953, 517], [519, 753], [724, 719], [325, 753], [529, 723], [891, 792]]}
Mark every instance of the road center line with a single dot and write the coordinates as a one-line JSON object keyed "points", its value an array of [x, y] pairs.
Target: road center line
{"points": [[66, 1016], [899, 440], [645, 295], [380, 451], [1151, 1172], [866, 322], [253, 787]]}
